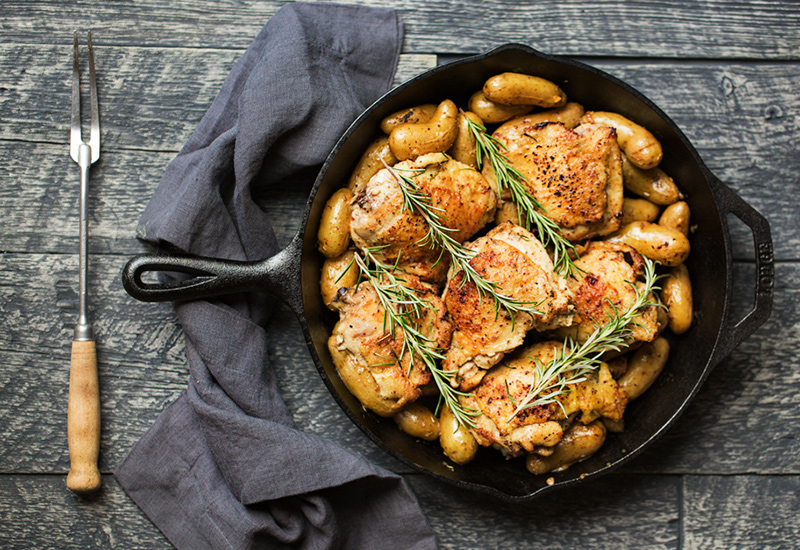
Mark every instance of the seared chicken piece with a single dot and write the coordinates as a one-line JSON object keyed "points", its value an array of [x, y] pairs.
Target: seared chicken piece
{"points": [[368, 356], [518, 264], [464, 199], [576, 175], [609, 269], [506, 386]]}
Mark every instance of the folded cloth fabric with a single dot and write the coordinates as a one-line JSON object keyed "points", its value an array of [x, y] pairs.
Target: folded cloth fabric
{"points": [[224, 466]]}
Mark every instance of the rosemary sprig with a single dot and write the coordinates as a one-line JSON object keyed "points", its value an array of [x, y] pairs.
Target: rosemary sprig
{"points": [[403, 308], [511, 179], [573, 362], [440, 236]]}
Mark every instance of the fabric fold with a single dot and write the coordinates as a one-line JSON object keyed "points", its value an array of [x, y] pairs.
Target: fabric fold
{"points": [[224, 466]]}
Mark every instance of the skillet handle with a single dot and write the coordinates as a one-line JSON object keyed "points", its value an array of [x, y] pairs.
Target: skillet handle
{"points": [[278, 274], [732, 335]]}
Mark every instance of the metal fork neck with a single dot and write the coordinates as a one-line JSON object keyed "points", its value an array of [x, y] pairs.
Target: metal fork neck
{"points": [[83, 331]]}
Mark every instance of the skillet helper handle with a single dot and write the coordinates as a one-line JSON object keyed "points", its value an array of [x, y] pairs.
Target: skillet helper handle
{"points": [[83, 418], [732, 335], [210, 277]]}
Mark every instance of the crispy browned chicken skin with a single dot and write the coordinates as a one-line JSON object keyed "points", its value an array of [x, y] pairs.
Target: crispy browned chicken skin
{"points": [[368, 356], [576, 175], [518, 264], [608, 271], [466, 200], [505, 386]]}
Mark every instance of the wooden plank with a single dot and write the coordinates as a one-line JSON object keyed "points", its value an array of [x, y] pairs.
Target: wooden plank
{"points": [[142, 369], [741, 512], [663, 28], [64, 520], [617, 511], [153, 98], [620, 512], [735, 135], [150, 98]]}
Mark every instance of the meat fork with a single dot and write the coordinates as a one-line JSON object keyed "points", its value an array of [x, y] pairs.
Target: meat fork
{"points": [[83, 409]]}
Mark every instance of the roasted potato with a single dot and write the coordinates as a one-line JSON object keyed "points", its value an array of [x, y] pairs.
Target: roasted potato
{"points": [[491, 112], [333, 237], [644, 366], [639, 145], [653, 184], [676, 293], [523, 89], [417, 420], [410, 140], [457, 441], [578, 443], [662, 244], [676, 216], [371, 162]]}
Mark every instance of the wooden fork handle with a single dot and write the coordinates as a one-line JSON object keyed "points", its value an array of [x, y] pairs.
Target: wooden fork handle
{"points": [[83, 418]]}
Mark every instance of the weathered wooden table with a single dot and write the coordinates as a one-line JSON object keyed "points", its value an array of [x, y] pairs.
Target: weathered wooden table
{"points": [[726, 476]]}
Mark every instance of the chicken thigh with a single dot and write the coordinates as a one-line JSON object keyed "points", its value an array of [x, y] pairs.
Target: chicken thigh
{"points": [[514, 260], [458, 193], [506, 386], [609, 269], [370, 359], [576, 175]]}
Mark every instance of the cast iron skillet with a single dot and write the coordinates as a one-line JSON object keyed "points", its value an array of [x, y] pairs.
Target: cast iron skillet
{"points": [[293, 274]]}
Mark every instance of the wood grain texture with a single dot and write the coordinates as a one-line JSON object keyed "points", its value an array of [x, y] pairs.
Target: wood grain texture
{"points": [[741, 512], [663, 28], [150, 98], [142, 369], [746, 137], [38, 512], [726, 71], [618, 511]]}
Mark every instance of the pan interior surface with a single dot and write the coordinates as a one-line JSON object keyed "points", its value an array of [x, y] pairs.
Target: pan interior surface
{"points": [[690, 354]]}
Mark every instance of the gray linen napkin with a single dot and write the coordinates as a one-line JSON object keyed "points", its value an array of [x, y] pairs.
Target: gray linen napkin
{"points": [[224, 466]]}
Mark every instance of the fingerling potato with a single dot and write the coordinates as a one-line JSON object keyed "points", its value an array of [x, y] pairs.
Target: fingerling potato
{"points": [[676, 216], [464, 147], [676, 293], [668, 246], [491, 112], [640, 146], [414, 115], [644, 366], [337, 273], [523, 89], [569, 115], [371, 162], [653, 184], [458, 443], [579, 442], [409, 140], [333, 237], [417, 420], [638, 210]]}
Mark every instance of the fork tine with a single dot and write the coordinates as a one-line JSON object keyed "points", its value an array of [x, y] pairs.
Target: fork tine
{"points": [[94, 136], [75, 125]]}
